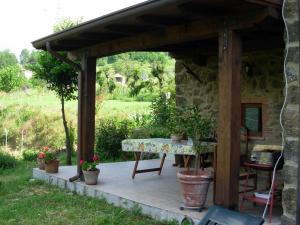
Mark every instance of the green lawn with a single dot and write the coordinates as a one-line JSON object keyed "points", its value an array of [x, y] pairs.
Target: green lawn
{"points": [[48, 102], [29, 202]]}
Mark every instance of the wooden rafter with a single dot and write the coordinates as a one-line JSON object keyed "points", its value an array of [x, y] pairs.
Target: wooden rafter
{"points": [[196, 30]]}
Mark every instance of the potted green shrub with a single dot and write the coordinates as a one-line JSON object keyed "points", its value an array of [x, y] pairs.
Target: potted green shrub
{"points": [[195, 183], [90, 171], [51, 162]]}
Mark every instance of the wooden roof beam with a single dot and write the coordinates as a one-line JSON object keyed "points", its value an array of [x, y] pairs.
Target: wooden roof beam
{"points": [[196, 30]]}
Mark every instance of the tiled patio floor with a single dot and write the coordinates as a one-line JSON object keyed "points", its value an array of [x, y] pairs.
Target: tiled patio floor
{"points": [[158, 196]]}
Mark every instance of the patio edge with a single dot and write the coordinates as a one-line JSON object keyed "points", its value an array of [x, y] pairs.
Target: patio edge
{"points": [[82, 189]]}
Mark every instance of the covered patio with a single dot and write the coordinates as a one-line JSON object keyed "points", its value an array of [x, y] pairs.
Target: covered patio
{"points": [[226, 29], [157, 196]]}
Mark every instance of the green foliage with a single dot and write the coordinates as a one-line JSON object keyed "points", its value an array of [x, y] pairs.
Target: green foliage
{"points": [[25, 201], [49, 156], [162, 109], [109, 135], [7, 59], [60, 77], [145, 72], [30, 154], [197, 126], [11, 78], [40, 128], [6, 160], [27, 57], [66, 23]]}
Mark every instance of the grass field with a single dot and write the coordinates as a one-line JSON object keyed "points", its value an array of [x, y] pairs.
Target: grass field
{"points": [[25, 201], [48, 102]]}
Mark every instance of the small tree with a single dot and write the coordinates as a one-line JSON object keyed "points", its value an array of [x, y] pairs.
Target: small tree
{"points": [[62, 79]]}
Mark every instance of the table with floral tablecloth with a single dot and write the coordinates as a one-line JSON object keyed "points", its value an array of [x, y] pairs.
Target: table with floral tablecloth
{"points": [[161, 145], [165, 146]]}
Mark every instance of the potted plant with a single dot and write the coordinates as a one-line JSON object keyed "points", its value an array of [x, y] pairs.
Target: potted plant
{"points": [[90, 171], [195, 183], [41, 158], [51, 162]]}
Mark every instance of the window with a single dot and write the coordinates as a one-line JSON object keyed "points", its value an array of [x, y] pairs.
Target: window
{"points": [[252, 118]]}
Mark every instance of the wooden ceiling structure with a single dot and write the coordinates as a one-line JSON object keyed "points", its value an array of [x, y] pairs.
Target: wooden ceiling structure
{"points": [[219, 27]]}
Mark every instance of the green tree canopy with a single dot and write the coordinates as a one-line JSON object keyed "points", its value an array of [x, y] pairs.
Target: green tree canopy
{"points": [[7, 58], [11, 78]]}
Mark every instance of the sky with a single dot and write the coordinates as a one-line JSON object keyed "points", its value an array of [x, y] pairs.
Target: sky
{"points": [[22, 22]]}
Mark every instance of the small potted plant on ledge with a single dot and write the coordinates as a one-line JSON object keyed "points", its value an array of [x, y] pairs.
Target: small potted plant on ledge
{"points": [[90, 171], [51, 162], [195, 183], [41, 158]]}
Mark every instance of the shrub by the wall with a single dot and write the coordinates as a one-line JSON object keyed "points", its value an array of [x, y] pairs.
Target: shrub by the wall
{"points": [[30, 154], [109, 135], [6, 160]]}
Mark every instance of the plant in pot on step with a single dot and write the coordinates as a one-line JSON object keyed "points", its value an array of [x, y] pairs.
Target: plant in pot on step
{"points": [[41, 158], [195, 183], [90, 171], [51, 162], [175, 125]]}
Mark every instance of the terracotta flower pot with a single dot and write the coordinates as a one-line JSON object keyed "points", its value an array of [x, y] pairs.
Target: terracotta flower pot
{"points": [[194, 187], [41, 163], [91, 177], [52, 166]]}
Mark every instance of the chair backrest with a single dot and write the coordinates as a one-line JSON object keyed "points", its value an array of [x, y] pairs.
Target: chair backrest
{"points": [[217, 215]]}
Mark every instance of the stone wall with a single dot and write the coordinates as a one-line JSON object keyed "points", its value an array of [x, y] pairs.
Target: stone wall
{"points": [[262, 82], [291, 115]]}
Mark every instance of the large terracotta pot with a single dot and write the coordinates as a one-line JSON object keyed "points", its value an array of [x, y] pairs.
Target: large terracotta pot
{"points": [[91, 177], [194, 187], [41, 163], [52, 166]]}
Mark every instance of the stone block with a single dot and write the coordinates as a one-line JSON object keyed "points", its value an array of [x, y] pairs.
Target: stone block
{"points": [[290, 10], [71, 186], [91, 192], [290, 174], [293, 30], [80, 188], [292, 72], [52, 180], [293, 55], [291, 149], [291, 120], [293, 94], [289, 200], [61, 183], [285, 220]]}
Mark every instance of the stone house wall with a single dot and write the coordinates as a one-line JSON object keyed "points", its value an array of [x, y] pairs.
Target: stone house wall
{"points": [[259, 85], [291, 114], [262, 81]]}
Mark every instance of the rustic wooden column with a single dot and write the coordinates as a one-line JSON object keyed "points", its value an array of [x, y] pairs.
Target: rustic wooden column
{"points": [[86, 110], [229, 120]]}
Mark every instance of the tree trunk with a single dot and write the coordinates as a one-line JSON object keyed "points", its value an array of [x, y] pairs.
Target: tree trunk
{"points": [[67, 133]]}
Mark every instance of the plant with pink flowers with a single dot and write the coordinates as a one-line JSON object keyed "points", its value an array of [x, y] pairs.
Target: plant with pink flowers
{"points": [[90, 166]]}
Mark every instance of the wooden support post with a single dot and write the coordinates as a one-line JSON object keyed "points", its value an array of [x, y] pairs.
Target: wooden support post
{"points": [[229, 121], [86, 110]]}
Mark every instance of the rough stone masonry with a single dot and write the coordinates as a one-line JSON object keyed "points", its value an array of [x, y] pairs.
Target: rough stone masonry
{"points": [[291, 114]]}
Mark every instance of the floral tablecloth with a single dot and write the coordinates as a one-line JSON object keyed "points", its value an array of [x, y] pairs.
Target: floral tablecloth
{"points": [[160, 145]]}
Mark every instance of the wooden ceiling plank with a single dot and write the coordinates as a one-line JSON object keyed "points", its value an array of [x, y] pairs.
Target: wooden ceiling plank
{"points": [[172, 35]]}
